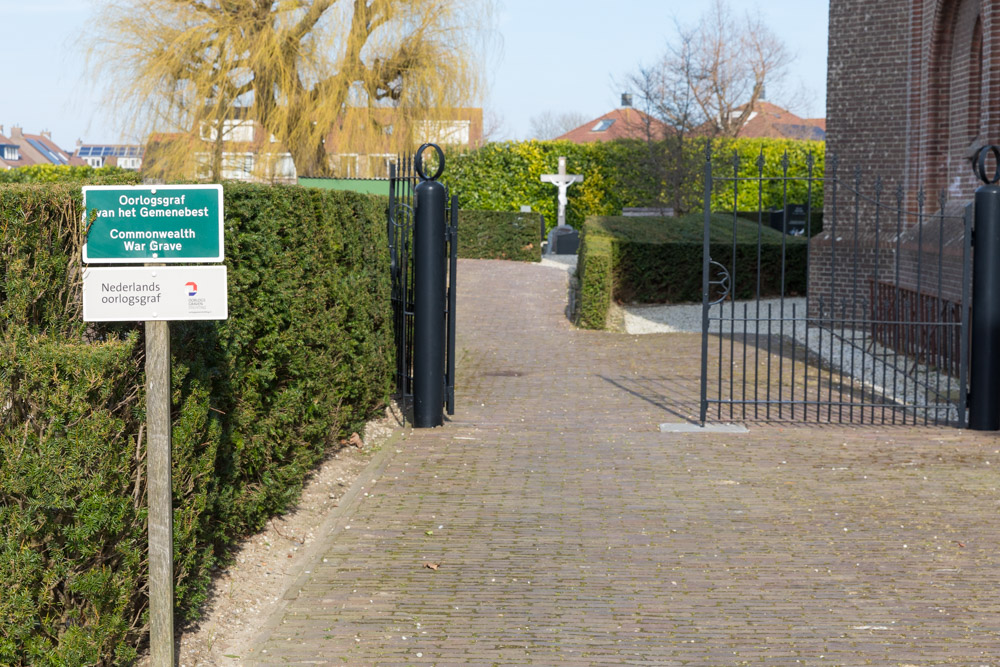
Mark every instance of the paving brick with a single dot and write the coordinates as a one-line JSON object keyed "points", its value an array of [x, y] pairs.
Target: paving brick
{"points": [[570, 531]]}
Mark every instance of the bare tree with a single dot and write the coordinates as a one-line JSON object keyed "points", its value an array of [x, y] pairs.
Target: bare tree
{"points": [[669, 113], [726, 63], [494, 125], [707, 82], [368, 69], [548, 125]]}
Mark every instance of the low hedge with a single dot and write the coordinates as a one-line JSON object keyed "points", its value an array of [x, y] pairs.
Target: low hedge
{"points": [[595, 278], [657, 260], [500, 235], [304, 358]]}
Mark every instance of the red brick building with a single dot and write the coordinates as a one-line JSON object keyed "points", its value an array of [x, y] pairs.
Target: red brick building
{"points": [[911, 93]]}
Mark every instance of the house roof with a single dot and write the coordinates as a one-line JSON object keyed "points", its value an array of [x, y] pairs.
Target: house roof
{"points": [[771, 121], [623, 123], [39, 149], [10, 164], [108, 151]]}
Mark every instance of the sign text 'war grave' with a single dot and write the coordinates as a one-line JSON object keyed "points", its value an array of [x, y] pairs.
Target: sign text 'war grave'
{"points": [[162, 224]]}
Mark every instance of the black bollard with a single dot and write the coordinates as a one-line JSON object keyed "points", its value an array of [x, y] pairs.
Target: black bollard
{"points": [[429, 288], [984, 366]]}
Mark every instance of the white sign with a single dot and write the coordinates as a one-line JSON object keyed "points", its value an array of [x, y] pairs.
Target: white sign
{"points": [[127, 294]]}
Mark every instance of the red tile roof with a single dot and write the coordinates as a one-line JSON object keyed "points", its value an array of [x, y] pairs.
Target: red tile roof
{"points": [[624, 123], [771, 121]]}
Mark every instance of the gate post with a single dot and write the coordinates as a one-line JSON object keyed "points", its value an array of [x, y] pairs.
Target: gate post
{"points": [[984, 366], [429, 289]]}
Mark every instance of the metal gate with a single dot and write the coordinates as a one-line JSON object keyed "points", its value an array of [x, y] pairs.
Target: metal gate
{"points": [[849, 304], [403, 179]]}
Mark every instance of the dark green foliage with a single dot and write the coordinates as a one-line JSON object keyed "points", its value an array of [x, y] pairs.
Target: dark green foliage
{"points": [[499, 235], [305, 358], [72, 550], [659, 260]]}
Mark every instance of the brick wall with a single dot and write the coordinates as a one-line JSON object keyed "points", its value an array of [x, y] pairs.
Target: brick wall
{"points": [[907, 90]]}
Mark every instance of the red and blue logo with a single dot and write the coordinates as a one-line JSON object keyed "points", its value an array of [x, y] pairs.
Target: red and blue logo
{"points": [[192, 288]]}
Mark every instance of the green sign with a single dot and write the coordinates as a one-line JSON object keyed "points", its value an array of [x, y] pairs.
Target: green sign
{"points": [[158, 223]]}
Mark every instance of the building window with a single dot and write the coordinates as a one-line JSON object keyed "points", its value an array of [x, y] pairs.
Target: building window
{"points": [[976, 79], [232, 130], [379, 164], [603, 125], [444, 131]]}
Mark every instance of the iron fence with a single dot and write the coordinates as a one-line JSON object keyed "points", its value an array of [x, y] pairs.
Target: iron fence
{"points": [[880, 334]]}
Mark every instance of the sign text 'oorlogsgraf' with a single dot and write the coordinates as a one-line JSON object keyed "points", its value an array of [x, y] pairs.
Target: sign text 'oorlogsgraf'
{"points": [[161, 224]]}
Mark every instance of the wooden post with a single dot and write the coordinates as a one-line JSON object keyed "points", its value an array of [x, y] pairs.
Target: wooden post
{"points": [[158, 489]]}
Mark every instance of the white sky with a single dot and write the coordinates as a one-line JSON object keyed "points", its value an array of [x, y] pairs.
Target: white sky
{"points": [[557, 55]]}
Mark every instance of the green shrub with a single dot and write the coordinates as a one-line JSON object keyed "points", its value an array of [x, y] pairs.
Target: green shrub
{"points": [[50, 173], [617, 174], [72, 547], [499, 235], [659, 260], [304, 358], [595, 277]]}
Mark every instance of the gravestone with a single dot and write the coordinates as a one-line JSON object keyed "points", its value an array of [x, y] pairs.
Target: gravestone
{"points": [[791, 221], [563, 240]]}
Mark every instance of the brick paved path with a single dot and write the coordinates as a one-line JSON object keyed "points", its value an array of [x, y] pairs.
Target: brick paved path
{"points": [[569, 531]]}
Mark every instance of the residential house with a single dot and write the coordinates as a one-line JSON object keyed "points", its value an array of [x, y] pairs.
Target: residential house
{"points": [[769, 121], [21, 150], [126, 156], [10, 153], [623, 123], [250, 153], [462, 127]]}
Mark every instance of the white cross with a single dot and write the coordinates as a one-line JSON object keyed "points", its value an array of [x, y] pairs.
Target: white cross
{"points": [[562, 180]]}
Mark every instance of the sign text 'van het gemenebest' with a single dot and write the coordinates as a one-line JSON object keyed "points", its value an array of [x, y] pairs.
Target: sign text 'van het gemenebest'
{"points": [[159, 223]]}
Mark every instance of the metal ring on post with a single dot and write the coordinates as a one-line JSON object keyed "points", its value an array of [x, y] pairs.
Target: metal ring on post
{"points": [[419, 162], [980, 165]]}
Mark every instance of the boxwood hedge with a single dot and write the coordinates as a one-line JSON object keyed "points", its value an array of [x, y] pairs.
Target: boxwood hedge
{"points": [[659, 260]]}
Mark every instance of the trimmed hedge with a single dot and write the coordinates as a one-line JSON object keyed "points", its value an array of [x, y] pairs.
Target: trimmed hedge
{"points": [[595, 277], [658, 260], [51, 173], [305, 358], [499, 235], [616, 174]]}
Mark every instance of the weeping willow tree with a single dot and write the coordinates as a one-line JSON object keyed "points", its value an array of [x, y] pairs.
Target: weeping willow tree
{"points": [[207, 80]]}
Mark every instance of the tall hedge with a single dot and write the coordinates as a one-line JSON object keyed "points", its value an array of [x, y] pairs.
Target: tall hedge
{"points": [[506, 176], [499, 235], [304, 358]]}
